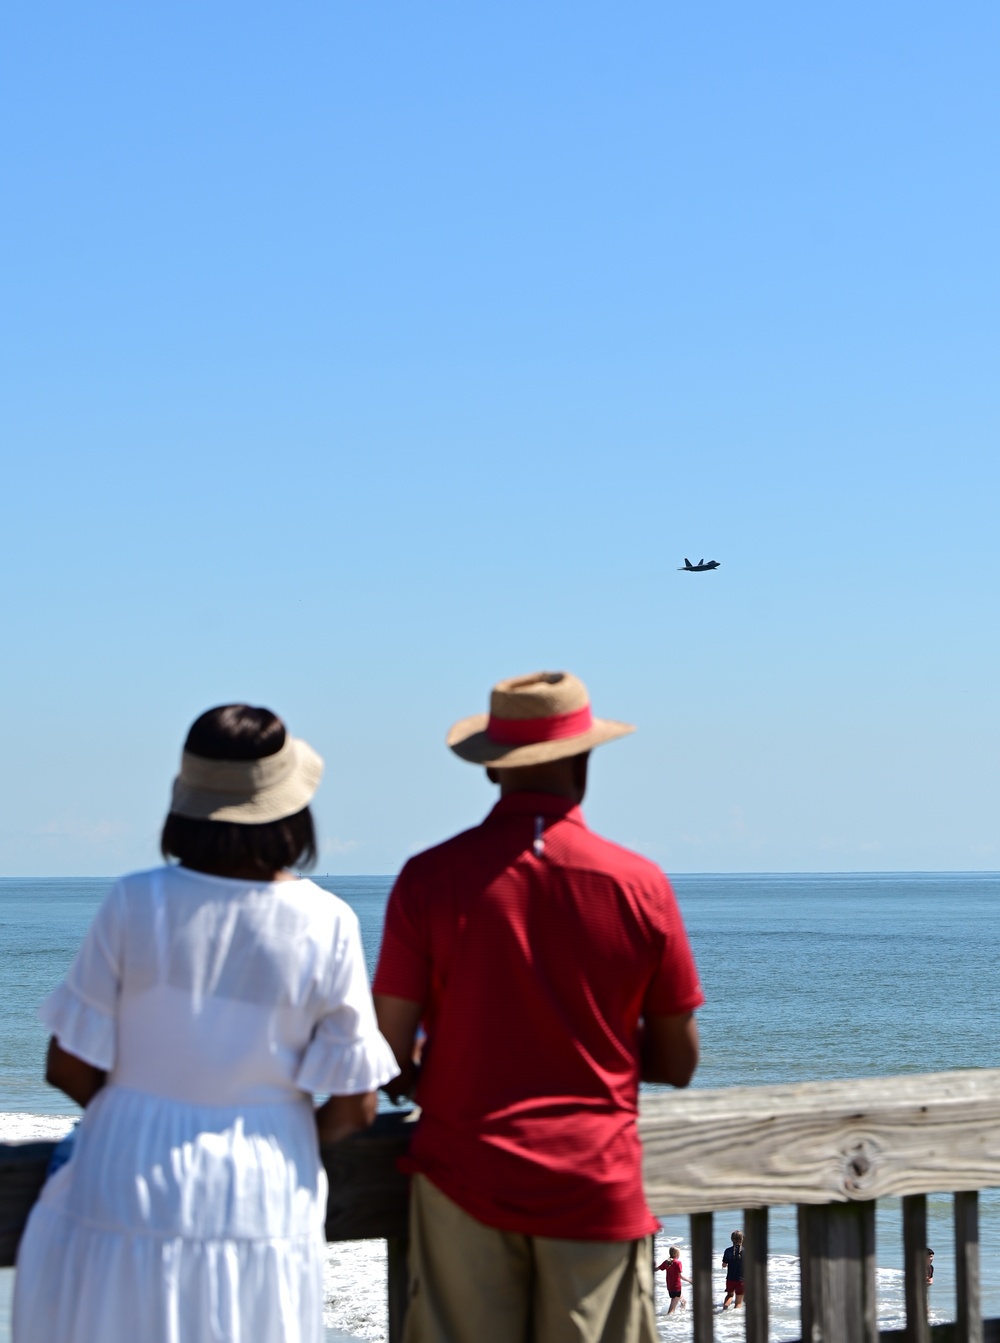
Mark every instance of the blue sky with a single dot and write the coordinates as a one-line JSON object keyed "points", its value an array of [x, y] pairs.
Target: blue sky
{"points": [[355, 357]]}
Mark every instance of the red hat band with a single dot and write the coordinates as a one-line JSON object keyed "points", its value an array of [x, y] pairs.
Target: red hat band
{"points": [[527, 731]]}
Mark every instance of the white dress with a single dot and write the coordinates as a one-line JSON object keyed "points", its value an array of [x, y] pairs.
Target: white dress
{"points": [[192, 1209]]}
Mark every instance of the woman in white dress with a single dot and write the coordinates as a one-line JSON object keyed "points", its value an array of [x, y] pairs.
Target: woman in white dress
{"points": [[211, 999]]}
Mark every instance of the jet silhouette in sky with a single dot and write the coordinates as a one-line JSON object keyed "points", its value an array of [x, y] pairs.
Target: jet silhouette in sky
{"points": [[698, 568]]}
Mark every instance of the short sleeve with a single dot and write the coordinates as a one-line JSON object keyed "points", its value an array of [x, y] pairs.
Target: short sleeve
{"points": [[404, 962], [347, 1054], [82, 1012], [675, 987]]}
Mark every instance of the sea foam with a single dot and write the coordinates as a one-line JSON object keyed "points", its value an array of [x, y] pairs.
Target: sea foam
{"points": [[20, 1127]]}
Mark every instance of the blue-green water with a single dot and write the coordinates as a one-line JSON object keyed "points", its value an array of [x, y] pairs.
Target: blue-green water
{"points": [[805, 977]]}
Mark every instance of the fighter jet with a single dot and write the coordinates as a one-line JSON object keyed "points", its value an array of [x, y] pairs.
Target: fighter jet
{"points": [[698, 568]]}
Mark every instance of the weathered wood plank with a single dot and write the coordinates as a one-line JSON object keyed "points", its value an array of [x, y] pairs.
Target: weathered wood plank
{"points": [[755, 1303], [837, 1257], [701, 1276], [915, 1267], [22, 1174], [968, 1319], [743, 1147], [820, 1142], [368, 1195]]}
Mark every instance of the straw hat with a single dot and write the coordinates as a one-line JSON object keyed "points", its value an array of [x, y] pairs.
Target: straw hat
{"points": [[249, 792], [532, 719]]}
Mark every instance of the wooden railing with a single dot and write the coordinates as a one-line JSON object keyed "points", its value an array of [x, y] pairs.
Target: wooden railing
{"points": [[831, 1148]]}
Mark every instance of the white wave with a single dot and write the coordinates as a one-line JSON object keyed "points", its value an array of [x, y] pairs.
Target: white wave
{"points": [[354, 1289], [783, 1297], [19, 1127]]}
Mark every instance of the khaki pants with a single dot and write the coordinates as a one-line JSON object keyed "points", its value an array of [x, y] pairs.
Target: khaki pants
{"points": [[472, 1284]]}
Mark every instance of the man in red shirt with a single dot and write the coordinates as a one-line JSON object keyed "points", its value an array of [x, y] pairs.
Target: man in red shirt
{"points": [[550, 971]]}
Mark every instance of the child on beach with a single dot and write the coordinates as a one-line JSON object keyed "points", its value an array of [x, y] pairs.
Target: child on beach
{"points": [[210, 999], [732, 1262], [672, 1267]]}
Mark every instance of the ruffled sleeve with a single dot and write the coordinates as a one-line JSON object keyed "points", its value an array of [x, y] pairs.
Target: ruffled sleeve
{"points": [[347, 1054], [82, 1012]]}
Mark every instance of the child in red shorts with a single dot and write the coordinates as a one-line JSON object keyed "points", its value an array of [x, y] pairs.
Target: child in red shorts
{"points": [[732, 1262], [672, 1266]]}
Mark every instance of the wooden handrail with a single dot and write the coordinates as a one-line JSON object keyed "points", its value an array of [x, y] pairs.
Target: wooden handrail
{"points": [[821, 1142]]}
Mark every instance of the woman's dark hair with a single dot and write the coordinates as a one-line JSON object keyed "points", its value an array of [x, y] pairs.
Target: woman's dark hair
{"points": [[238, 732]]}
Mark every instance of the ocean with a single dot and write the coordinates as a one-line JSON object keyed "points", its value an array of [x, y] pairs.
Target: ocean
{"points": [[805, 977]]}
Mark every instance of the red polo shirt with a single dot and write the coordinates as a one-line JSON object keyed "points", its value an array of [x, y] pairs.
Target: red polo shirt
{"points": [[535, 947]]}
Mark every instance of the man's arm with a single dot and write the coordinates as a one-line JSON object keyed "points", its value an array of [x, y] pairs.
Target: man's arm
{"points": [[399, 1020], [668, 1049], [79, 1080]]}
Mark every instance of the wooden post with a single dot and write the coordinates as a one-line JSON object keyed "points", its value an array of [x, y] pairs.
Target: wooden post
{"points": [[701, 1276], [915, 1267], [755, 1268], [968, 1313], [837, 1257], [22, 1174], [398, 1285]]}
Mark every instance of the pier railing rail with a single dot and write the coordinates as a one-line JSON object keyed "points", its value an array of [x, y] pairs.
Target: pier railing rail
{"points": [[830, 1148]]}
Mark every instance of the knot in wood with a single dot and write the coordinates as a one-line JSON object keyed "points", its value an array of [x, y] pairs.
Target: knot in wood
{"points": [[860, 1160]]}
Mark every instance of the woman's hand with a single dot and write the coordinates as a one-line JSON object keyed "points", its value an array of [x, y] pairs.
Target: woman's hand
{"points": [[79, 1080], [341, 1116]]}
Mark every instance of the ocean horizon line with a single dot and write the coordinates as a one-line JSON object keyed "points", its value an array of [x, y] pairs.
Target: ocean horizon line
{"points": [[672, 871]]}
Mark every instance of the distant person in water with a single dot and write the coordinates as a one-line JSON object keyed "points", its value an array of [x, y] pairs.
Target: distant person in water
{"points": [[930, 1267], [551, 970], [673, 1267], [732, 1262]]}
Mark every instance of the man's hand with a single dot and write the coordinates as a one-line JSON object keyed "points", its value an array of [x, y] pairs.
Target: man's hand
{"points": [[669, 1049], [399, 1020]]}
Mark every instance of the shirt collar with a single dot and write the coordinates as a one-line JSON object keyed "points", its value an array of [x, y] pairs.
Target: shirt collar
{"points": [[539, 804]]}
